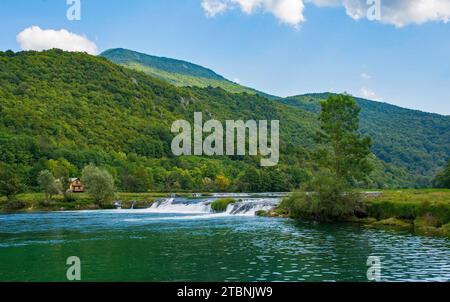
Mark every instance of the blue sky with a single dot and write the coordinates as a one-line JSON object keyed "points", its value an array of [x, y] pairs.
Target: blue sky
{"points": [[406, 64]]}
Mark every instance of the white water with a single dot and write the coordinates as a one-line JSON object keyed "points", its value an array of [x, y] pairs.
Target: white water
{"points": [[244, 206]]}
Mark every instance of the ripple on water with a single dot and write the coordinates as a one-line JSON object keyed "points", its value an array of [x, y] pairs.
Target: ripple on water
{"points": [[131, 246]]}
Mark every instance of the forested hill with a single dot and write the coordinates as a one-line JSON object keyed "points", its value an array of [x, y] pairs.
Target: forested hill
{"points": [[72, 109], [176, 72], [415, 140]]}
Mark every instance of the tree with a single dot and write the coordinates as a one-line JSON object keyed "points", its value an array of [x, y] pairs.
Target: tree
{"points": [[442, 180], [136, 181], [99, 183], [49, 184], [62, 169], [10, 182], [340, 160], [222, 183], [344, 151]]}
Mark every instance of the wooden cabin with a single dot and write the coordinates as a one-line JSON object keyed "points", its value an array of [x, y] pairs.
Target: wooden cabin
{"points": [[76, 186]]}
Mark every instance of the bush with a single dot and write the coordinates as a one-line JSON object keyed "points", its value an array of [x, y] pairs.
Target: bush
{"points": [[221, 205], [329, 199], [13, 205]]}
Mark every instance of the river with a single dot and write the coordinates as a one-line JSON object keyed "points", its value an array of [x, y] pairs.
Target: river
{"points": [[181, 240]]}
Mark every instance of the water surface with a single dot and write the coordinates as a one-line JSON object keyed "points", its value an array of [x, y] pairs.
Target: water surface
{"points": [[133, 245]]}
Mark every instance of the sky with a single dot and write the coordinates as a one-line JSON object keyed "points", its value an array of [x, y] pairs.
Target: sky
{"points": [[395, 51]]}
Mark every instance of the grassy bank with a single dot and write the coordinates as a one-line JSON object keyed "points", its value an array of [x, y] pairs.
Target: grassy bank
{"points": [[425, 212], [37, 202]]}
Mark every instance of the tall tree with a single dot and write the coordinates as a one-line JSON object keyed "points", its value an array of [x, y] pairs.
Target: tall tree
{"points": [[344, 151], [48, 184], [341, 159], [99, 183]]}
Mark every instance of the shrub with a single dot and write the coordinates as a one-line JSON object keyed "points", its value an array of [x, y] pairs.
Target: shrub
{"points": [[221, 205], [329, 199], [15, 205]]}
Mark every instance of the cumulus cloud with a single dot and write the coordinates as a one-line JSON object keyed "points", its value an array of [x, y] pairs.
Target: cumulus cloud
{"points": [[35, 38], [365, 76], [395, 12], [368, 94], [287, 11], [214, 7]]}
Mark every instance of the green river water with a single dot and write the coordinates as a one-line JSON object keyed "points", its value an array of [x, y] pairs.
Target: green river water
{"points": [[136, 245]]}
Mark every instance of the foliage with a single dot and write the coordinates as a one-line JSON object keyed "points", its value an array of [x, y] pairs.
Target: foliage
{"points": [[10, 181], [329, 199], [411, 205], [175, 72], [48, 184], [222, 183], [342, 148], [99, 183], [221, 205], [340, 158], [442, 180], [412, 145], [61, 111]]}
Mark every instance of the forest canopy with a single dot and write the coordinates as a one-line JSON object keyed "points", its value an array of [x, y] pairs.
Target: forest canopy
{"points": [[62, 111]]}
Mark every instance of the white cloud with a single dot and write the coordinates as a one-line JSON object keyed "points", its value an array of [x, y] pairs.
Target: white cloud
{"points": [[368, 94], [365, 76], [35, 38], [395, 12], [287, 11], [214, 7]]}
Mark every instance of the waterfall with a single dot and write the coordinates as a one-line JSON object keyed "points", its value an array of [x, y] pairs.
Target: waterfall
{"points": [[244, 206]]}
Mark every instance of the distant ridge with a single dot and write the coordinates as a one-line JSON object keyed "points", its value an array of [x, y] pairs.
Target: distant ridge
{"points": [[176, 72], [124, 57]]}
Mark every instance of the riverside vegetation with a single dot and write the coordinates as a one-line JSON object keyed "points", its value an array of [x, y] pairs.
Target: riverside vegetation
{"points": [[341, 156], [70, 114]]}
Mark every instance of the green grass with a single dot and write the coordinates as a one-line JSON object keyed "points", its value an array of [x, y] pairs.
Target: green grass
{"points": [[37, 202], [410, 205], [183, 80], [221, 205], [427, 212]]}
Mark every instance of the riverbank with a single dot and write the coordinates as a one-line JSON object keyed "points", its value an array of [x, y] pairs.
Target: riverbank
{"points": [[424, 212], [37, 202]]}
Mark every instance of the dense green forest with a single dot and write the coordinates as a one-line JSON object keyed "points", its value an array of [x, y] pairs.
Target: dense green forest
{"points": [[63, 111], [416, 141], [176, 72]]}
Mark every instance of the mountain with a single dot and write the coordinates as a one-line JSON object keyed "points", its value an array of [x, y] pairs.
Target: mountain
{"points": [[415, 140], [71, 109], [176, 72]]}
